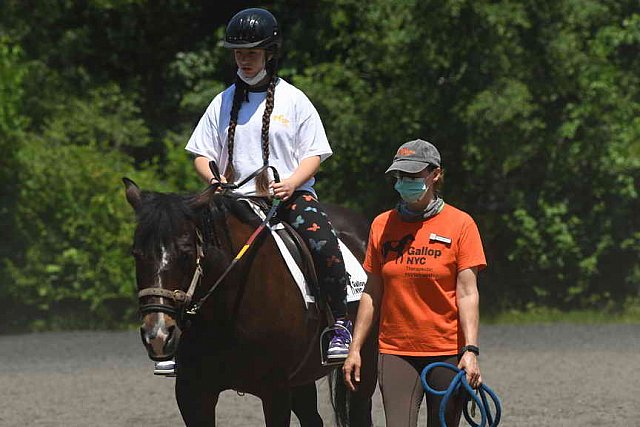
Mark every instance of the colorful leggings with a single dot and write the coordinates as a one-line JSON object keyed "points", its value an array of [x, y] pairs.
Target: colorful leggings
{"points": [[305, 214], [402, 392]]}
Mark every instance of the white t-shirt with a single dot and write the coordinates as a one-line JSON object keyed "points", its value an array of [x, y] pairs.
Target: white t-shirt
{"points": [[295, 133]]}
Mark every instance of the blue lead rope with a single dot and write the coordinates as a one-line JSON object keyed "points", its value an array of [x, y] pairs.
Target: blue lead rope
{"points": [[460, 381]]}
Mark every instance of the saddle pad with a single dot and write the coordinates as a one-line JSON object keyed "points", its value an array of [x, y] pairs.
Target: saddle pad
{"points": [[356, 274]]}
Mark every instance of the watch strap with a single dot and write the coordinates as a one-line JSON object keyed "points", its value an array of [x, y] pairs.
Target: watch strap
{"points": [[472, 348]]}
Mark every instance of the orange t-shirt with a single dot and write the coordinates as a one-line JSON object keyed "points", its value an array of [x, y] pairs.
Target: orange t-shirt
{"points": [[419, 264]]}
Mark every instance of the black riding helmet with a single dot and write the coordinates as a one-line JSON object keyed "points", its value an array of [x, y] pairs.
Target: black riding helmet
{"points": [[253, 28]]}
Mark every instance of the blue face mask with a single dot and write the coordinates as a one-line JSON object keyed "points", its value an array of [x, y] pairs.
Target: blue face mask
{"points": [[411, 189]]}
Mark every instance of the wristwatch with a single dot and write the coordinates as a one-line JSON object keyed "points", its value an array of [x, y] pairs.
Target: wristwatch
{"points": [[472, 348]]}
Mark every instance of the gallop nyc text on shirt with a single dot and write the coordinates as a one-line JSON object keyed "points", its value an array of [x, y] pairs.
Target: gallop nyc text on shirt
{"points": [[419, 264]]}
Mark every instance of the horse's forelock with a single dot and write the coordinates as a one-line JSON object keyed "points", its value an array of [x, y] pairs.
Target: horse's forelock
{"points": [[162, 218]]}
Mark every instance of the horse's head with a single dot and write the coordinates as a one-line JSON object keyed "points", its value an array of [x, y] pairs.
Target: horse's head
{"points": [[168, 250]]}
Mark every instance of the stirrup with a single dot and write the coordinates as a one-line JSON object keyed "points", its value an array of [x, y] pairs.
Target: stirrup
{"points": [[324, 346]]}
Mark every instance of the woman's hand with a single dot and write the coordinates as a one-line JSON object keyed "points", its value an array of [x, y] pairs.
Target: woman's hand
{"points": [[213, 181], [351, 370], [469, 363], [283, 189]]}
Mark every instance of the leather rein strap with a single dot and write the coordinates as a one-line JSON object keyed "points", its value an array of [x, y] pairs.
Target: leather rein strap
{"points": [[274, 207], [226, 186]]}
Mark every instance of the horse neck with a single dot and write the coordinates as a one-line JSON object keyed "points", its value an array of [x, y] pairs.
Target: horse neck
{"points": [[226, 235], [259, 279]]}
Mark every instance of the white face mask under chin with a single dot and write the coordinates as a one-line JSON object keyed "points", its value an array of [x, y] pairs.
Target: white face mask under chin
{"points": [[251, 81]]}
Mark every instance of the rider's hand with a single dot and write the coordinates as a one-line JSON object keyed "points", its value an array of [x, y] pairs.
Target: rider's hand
{"points": [[213, 181], [283, 189], [469, 363], [351, 370]]}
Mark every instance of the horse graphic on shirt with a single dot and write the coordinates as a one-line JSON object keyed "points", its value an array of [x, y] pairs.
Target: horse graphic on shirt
{"points": [[397, 246]]}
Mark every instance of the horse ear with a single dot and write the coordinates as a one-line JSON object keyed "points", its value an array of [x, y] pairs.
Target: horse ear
{"points": [[133, 193]]}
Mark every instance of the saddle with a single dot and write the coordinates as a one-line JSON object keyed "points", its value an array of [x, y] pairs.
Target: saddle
{"points": [[299, 261]]}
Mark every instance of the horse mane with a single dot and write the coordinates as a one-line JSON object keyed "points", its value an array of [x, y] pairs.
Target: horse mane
{"points": [[162, 217], [223, 203]]}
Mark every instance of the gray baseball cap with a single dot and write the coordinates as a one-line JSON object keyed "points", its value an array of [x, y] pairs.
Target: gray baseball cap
{"points": [[414, 156]]}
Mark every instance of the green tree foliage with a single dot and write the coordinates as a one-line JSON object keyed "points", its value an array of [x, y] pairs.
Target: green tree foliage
{"points": [[76, 228], [11, 76], [70, 215], [534, 106], [12, 125], [535, 109]]}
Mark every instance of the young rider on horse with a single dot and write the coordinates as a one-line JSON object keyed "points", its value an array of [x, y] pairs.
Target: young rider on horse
{"points": [[263, 120]]}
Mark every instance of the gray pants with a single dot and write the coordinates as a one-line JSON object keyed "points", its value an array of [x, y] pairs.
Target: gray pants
{"points": [[402, 392]]}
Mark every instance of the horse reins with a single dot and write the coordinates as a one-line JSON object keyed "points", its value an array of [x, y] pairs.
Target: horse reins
{"points": [[274, 207], [232, 186]]}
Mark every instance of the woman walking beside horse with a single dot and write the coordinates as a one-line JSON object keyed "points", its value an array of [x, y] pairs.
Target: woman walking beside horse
{"points": [[422, 262], [263, 120]]}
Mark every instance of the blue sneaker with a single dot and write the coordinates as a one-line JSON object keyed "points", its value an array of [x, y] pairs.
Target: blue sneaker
{"points": [[165, 369], [340, 341]]}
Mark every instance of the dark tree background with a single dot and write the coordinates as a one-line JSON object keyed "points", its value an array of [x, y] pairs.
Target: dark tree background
{"points": [[535, 106]]}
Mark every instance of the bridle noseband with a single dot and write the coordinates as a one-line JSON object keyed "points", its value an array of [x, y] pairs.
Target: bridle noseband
{"points": [[180, 298]]}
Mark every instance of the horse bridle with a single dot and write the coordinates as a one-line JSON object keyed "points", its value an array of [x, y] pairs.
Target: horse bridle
{"points": [[180, 298], [183, 299]]}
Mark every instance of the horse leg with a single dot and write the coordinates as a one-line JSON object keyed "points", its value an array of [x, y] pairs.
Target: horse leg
{"points": [[360, 409], [276, 405], [355, 408], [360, 400], [197, 405], [304, 402]]}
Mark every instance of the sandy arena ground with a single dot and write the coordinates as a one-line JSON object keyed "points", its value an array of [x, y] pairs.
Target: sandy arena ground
{"points": [[546, 375]]}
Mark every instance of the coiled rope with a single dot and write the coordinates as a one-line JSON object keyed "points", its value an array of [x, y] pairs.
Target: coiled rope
{"points": [[479, 397]]}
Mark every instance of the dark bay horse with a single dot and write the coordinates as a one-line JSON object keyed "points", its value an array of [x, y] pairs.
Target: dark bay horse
{"points": [[254, 333]]}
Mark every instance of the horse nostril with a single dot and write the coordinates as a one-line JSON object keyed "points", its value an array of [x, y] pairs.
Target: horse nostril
{"points": [[147, 335]]}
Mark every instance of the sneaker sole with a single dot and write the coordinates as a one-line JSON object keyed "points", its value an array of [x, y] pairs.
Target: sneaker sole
{"points": [[337, 356]]}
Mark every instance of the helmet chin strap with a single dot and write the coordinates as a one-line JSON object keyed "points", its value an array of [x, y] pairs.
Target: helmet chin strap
{"points": [[251, 81]]}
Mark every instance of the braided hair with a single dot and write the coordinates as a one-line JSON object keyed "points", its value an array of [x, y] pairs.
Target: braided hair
{"points": [[241, 92], [238, 97]]}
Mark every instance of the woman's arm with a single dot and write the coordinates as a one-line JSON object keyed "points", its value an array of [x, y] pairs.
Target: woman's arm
{"points": [[368, 312], [201, 164], [305, 171], [468, 300]]}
